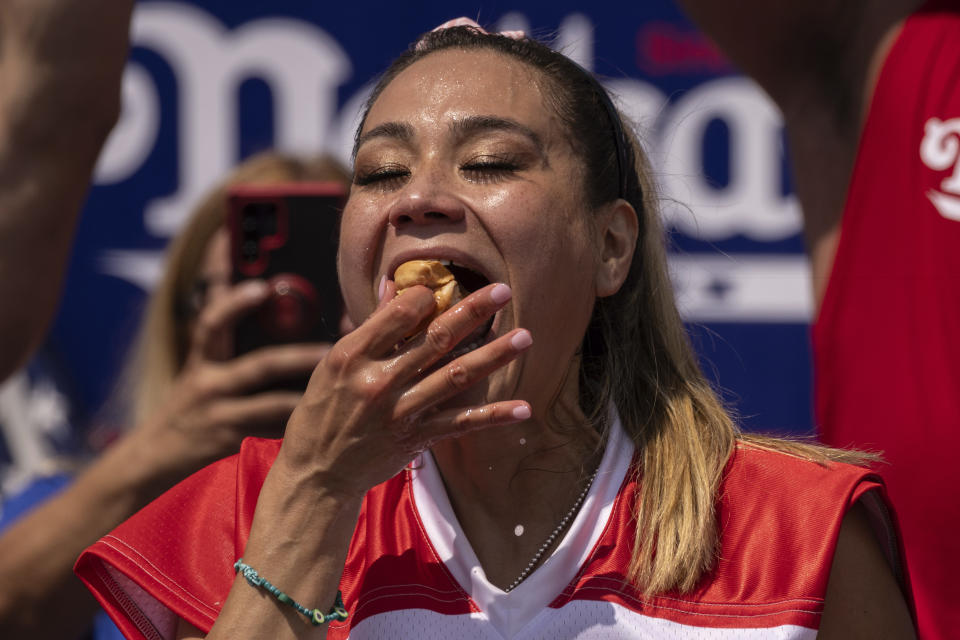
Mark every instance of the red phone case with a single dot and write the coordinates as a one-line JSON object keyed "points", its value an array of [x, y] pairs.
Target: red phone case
{"points": [[286, 234]]}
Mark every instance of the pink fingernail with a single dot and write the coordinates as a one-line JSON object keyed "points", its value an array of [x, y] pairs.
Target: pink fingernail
{"points": [[500, 293], [521, 340], [383, 287], [522, 413]]}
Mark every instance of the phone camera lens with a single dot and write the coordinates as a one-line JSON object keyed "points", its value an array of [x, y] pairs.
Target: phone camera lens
{"points": [[259, 218], [249, 250], [268, 222]]}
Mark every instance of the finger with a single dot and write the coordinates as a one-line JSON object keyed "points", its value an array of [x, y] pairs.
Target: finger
{"points": [[453, 423], [450, 328], [217, 319], [388, 291], [267, 366], [463, 372], [387, 326]]}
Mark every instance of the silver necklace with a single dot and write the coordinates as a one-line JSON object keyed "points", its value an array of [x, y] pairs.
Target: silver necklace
{"points": [[553, 535]]}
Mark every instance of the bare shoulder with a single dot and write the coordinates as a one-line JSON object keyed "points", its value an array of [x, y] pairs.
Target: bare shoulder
{"points": [[863, 598]]}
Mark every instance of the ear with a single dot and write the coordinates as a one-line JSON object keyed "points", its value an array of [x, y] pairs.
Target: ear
{"points": [[617, 234]]}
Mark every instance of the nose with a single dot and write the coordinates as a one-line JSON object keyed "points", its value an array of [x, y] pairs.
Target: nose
{"points": [[426, 201]]}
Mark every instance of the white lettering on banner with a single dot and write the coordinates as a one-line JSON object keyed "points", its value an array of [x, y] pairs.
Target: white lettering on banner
{"points": [[32, 414], [576, 40], [735, 288], [940, 150], [303, 67], [752, 203], [135, 133], [343, 133], [513, 21], [301, 64]]}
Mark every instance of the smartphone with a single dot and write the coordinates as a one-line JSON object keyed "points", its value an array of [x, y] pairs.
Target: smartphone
{"points": [[286, 234]]}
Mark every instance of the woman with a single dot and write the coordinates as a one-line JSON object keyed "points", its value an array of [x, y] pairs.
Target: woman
{"points": [[191, 404], [572, 473]]}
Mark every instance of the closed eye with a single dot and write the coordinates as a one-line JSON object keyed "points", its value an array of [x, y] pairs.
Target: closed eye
{"points": [[490, 168], [385, 176]]}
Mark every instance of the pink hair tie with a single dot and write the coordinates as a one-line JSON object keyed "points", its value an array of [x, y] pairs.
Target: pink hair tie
{"points": [[467, 22], [459, 22]]}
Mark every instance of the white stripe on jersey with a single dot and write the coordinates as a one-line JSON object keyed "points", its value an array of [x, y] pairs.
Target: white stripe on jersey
{"points": [[578, 620]]}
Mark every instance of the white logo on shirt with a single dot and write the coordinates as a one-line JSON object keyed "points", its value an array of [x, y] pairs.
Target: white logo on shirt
{"points": [[940, 150]]}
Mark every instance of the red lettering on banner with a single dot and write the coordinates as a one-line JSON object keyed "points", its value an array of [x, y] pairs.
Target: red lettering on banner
{"points": [[664, 49]]}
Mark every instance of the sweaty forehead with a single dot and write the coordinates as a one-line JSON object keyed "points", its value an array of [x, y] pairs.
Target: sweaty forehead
{"points": [[451, 84]]}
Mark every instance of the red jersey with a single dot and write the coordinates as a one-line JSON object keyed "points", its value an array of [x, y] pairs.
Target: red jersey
{"points": [[887, 340], [411, 574]]}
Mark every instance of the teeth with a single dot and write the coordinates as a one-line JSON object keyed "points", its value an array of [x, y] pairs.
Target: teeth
{"points": [[451, 263], [447, 263]]}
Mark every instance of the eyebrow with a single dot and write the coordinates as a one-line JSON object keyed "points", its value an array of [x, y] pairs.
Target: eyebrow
{"points": [[397, 130], [463, 129], [477, 125]]}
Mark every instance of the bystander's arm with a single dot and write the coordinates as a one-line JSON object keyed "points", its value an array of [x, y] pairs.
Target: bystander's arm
{"points": [[60, 68]]}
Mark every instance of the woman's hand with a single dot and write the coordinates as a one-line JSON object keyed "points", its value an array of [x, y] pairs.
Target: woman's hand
{"points": [[217, 400], [370, 409], [367, 412]]}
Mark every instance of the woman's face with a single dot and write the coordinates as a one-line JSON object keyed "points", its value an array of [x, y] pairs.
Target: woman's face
{"points": [[460, 159]]}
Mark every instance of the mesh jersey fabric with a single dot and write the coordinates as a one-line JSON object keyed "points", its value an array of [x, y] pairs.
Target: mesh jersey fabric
{"points": [[887, 339], [779, 517]]}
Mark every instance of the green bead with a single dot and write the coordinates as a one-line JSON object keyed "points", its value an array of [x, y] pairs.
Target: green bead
{"points": [[315, 616]]}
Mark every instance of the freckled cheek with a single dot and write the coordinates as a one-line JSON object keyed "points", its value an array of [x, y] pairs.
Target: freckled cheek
{"points": [[525, 222], [516, 219], [552, 260], [499, 199], [354, 259]]}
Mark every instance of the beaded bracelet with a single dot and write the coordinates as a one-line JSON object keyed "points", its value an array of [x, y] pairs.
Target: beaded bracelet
{"points": [[338, 612]]}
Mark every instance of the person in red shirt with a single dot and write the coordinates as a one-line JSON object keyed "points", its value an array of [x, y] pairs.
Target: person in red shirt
{"points": [[546, 459], [870, 93]]}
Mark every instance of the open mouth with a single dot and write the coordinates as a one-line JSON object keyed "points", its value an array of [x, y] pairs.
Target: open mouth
{"points": [[468, 279]]}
